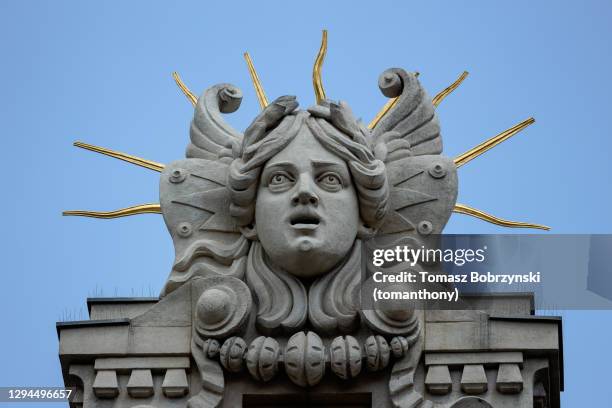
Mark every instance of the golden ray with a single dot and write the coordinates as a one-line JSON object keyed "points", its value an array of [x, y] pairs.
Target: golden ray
{"points": [[261, 95], [473, 212], [491, 143], [122, 212], [122, 156], [316, 70], [383, 111], [186, 91], [444, 93]]}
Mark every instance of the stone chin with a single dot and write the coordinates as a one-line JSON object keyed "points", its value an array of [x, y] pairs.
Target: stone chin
{"points": [[307, 257], [307, 250]]}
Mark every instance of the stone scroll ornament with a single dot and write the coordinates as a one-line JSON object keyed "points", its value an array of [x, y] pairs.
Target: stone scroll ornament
{"points": [[269, 225]]}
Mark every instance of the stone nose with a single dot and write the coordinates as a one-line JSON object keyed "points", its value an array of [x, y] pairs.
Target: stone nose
{"points": [[305, 193]]}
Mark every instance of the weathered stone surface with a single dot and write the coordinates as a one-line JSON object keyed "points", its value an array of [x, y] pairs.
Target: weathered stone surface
{"points": [[438, 380], [471, 402], [460, 359], [222, 307], [377, 353], [305, 359], [232, 352], [175, 383], [118, 308], [469, 328], [105, 385], [126, 364], [96, 341], [262, 358], [399, 346], [140, 384], [509, 379], [474, 379], [345, 357]]}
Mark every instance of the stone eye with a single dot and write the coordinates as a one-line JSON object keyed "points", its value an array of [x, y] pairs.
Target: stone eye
{"points": [[278, 179], [330, 181]]}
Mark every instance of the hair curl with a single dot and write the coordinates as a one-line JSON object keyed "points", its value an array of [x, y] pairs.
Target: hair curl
{"points": [[334, 126]]}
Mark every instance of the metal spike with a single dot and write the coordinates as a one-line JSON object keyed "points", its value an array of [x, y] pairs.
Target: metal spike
{"points": [[261, 95], [192, 98], [491, 143], [473, 212], [122, 156], [446, 91], [122, 212], [317, 82]]}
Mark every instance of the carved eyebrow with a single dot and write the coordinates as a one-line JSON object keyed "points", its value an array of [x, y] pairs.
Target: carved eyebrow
{"points": [[322, 163], [281, 164]]}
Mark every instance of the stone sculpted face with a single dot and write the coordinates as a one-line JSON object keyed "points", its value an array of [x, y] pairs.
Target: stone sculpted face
{"points": [[307, 211]]}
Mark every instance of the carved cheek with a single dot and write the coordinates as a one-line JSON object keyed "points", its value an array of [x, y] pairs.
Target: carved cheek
{"points": [[271, 207]]}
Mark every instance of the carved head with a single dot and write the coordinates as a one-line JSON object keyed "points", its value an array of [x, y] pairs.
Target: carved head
{"points": [[306, 185]]}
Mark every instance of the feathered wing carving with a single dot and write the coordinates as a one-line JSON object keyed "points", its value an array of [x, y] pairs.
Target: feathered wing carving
{"points": [[195, 206], [195, 200], [411, 127], [423, 191], [211, 137], [423, 184]]}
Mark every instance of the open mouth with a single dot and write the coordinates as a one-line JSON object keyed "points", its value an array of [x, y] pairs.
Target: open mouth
{"points": [[304, 221]]}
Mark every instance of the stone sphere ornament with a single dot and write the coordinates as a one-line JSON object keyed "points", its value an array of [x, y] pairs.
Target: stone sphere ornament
{"points": [[345, 357], [222, 307], [377, 353], [214, 307], [212, 348], [305, 359], [399, 346], [262, 358], [232, 353]]}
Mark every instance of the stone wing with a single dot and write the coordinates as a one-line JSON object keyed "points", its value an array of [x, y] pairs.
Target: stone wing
{"points": [[411, 126], [423, 191], [212, 138], [195, 205]]}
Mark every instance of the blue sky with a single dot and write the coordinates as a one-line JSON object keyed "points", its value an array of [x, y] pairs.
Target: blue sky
{"points": [[101, 72]]}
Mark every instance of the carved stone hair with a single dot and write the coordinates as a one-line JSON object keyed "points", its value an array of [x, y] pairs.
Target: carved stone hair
{"points": [[334, 126]]}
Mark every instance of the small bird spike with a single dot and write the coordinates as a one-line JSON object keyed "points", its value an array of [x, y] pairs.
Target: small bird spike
{"points": [[192, 98], [491, 143], [473, 212], [316, 70], [261, 95], [122, 212], [447, 91], [122, 156]]}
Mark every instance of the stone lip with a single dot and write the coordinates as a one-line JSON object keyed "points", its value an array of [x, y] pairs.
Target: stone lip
{"points": [[89, 323], [119, 300]]}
